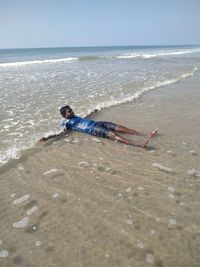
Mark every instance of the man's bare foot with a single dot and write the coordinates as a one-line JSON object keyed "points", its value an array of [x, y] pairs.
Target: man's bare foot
{"points": [[143, 144], [153, 133]]}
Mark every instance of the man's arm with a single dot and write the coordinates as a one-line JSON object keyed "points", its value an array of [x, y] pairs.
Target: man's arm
{"points": [[89, 116], [43, 139]]}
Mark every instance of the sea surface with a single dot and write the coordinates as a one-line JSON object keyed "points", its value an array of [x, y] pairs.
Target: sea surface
{"points": [[35, 83]]}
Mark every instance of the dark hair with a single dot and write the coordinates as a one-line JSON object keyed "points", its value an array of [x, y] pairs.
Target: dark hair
{"points": [[63, 110]]}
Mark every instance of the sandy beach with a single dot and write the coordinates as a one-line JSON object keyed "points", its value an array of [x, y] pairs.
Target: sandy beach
{"points": [[84, 201]]}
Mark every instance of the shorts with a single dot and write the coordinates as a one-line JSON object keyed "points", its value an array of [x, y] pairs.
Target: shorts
{"points": [[103, 128]]}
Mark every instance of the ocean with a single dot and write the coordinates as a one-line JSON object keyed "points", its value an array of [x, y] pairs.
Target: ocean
{"points": [[35, 83]]}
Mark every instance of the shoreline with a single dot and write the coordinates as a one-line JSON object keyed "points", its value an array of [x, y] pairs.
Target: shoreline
{"points": [[103, 110], [97, 80]]}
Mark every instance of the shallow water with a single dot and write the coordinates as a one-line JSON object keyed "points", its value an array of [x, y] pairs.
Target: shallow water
{"points": [[101, 203], [35, 83]]}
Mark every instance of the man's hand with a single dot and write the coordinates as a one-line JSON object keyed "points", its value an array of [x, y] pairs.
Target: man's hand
{"points": [[92, 113], [43, 139]]}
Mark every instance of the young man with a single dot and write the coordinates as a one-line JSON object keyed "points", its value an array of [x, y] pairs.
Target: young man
{"points": [[97, 128]]}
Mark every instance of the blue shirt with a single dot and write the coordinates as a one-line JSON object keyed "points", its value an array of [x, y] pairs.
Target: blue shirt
{"points": [[77, 123]]}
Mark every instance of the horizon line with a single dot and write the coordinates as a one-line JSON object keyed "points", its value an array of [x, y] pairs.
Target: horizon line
{"points": [[100, 46]]}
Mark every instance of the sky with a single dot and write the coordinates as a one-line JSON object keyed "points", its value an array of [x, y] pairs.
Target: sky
{"points": [[72, 23]]}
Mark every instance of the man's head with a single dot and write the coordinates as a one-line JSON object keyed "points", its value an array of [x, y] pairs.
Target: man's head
{"points": [[66, 112]]}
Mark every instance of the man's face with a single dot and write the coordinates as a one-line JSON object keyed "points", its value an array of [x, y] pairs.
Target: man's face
{"points": [[69, 113]]}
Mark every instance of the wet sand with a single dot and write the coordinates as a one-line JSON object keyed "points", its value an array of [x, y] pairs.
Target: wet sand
{"points": [[85, 201]]}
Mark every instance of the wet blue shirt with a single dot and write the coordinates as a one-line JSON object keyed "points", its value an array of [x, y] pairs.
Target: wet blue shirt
{"points": [[77, 124]]}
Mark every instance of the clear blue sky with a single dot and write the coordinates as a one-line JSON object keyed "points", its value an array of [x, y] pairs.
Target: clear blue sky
{"points": [[55, 23]]}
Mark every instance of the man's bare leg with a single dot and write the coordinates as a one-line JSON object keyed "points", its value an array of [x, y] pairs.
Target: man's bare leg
{"points": [[123, 140], [124, 129]]}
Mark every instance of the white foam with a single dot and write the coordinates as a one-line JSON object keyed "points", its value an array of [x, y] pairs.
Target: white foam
{"points": [[50, 171], [138, 94], [136, 55], [33, 62], [22, 223], [21, 199], [4, 253], [11, 153], [32, 210], [148, 55]]}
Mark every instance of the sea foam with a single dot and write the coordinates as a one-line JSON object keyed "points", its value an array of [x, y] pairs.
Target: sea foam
{"points": [[148, 55], [145, 89], [33, 62]]}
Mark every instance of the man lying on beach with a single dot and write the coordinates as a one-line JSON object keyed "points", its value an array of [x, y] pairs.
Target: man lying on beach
{"points": [[97, 128]]}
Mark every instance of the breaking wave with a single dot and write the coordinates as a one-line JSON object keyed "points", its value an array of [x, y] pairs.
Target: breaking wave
{"points": [[158, 53], [139, 93], [136, 55], [31, 62]]}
